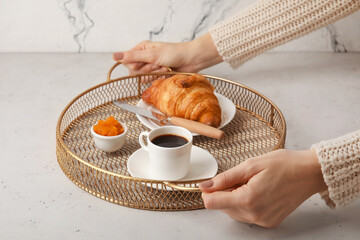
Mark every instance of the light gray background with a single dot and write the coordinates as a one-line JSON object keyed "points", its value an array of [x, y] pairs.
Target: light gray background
{"points": [[110, 25]]}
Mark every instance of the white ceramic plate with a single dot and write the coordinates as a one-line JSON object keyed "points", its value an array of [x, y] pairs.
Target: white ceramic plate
{"points": [[228, 111], [202, 165]]}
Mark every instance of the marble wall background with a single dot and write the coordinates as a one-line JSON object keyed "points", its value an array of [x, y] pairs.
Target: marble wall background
{"points": [[110, 25]]}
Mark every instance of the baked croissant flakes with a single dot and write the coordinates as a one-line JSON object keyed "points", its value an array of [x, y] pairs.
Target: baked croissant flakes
{"points": [[191, 97]]}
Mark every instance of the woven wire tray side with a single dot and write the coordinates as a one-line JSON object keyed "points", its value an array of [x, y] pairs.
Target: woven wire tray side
{"points": [[258, 127]]}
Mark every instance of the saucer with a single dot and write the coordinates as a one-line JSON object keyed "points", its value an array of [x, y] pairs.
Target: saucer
{"points": [[202, 165]]}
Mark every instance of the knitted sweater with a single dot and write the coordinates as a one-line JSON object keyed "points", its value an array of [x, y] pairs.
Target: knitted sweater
{"points": [[269, 23], [340, 165]]}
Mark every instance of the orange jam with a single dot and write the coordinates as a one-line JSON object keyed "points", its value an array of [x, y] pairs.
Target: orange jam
{"points": [[109, 127]]}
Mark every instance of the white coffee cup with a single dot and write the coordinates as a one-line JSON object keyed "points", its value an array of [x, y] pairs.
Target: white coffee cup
{"points": [[167, 163]]}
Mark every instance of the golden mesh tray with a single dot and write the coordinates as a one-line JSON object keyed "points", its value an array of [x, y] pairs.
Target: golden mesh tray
{"points": [[258, 127]]}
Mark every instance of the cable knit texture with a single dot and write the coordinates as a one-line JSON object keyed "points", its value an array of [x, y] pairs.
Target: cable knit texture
{"points": [[340, 164], [269, 23]]}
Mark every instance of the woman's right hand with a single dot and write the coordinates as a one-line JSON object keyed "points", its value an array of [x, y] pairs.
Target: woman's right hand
{"points": [[265, 189], [191, 56]]}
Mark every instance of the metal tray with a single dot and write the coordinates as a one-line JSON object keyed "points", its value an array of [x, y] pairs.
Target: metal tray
{"points": [[258, 127]]}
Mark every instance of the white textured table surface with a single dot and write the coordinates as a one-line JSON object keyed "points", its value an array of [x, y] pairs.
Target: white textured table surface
{"points": [[319, 95]]}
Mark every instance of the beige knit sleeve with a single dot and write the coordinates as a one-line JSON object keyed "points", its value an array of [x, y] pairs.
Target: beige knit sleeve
{"points": [[340, 165], [269, 23]]}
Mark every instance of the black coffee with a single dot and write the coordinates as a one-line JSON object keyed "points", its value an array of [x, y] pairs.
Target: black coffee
{"points": [[169, 141]]}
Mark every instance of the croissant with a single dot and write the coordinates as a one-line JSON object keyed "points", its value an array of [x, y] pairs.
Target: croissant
{"points": [[191, 97]]}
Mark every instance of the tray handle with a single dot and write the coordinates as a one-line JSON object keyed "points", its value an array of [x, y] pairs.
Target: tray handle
{"points": [[181, 188], [117, 64], [111, 70]]}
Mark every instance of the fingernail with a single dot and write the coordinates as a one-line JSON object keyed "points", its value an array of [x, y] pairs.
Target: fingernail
{"points": [[118, 56], [162, 69], [206, 184], [155, 67]]}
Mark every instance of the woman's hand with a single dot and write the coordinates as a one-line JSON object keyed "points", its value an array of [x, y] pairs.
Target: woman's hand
{"points": [[190, 56], [265, 189]]}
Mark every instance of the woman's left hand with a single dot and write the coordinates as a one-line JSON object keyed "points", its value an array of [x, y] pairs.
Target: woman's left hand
{"points": [[191, 56]]}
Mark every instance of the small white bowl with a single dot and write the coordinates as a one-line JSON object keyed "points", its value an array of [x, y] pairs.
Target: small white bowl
{"points": [[109, 143]]}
